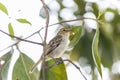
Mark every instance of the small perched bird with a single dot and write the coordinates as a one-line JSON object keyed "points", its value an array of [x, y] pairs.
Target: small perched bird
{"points": [[57, 46]]}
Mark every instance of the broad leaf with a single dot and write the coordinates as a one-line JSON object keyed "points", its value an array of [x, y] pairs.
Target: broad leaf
{"points": [[95, 9], [24, 21], [11, 31], [56, 72], [76, 37], [3, 8], [22, 67], [5, 66], [95, 51]]}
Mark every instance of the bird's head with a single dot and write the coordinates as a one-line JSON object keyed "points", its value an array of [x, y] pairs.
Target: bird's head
{"points": [[65, 31]]}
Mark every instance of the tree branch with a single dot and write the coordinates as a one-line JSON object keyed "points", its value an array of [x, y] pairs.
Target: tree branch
{"points": [[59, 61], [76, 67], [45, 37], [21, 39], [97, 20], [24, 39]]}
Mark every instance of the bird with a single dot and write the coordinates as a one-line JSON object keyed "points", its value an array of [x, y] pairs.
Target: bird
{"points": [[56, 46]]}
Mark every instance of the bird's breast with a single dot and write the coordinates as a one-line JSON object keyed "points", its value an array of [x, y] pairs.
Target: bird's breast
{"points": [[59, 51]]}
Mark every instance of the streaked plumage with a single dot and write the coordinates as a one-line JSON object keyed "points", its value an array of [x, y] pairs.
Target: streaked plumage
{"points": [[57, 46]]}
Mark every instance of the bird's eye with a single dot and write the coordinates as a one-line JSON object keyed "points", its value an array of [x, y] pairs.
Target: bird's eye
{"points": [[64, 30]]}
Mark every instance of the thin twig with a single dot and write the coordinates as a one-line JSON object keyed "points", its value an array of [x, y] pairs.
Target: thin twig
{"points": [[24, 39], [21, 39], [58, 61], [45, 37], [76, 67], [40, 37], [9, 46], [34, 33], [97, 20], [61, 61], [76, 20]]}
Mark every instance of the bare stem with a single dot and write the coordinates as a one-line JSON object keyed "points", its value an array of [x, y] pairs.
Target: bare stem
{"points": [[78, 19], [34, 33], [60, 61], [45, 37], [76, 67], [97, 20], [21, 39]]}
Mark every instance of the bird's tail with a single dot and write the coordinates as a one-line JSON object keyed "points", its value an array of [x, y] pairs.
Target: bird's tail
{"points": [[35, 65]]}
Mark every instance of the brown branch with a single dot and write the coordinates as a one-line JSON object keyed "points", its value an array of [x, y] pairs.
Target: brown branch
{"points": [[24, 38], [9, 46], [34, 33], [76, 20], [21, 39], [76, 67], [60, 61], [97, 20], [45, 37]]}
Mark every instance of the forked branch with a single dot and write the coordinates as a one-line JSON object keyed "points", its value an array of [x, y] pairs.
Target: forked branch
{"points": [[21, 38]]}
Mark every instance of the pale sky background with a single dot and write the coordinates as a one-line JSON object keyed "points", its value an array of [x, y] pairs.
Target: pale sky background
{"points": [[29, 9]]}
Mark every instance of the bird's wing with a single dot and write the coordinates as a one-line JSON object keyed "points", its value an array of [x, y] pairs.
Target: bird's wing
{"points": [[53, 44]]}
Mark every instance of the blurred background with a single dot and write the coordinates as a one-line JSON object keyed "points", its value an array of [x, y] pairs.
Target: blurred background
{"points": [[108, 13]]}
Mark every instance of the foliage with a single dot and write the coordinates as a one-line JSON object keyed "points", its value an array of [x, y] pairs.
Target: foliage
{"points": [[23, 21], [5, 66], [99, 46], [11, 31], [95, 51], [58, 71], [22, 67], [3, 8]]}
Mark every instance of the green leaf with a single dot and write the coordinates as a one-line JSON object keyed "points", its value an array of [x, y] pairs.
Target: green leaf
{"points": [[11, 31], [24, 21], [76, 37], [95, 51], [81, 7], [56, 72], [3, 8], [22, 67], [95, 9], [5, 66]]}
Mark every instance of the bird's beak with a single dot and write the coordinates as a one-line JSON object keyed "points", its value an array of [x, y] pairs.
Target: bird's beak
{"points": [[71, 32]]}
